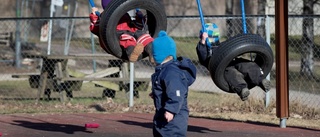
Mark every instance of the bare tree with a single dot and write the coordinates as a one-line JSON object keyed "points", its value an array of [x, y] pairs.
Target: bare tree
{"points": [[234, 25], [176, 9], [261, 20], [45, 9], [307, 62], [229, 11]]}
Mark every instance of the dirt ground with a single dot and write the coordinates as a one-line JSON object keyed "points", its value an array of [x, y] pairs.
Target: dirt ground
{"points": [[132, 124]]}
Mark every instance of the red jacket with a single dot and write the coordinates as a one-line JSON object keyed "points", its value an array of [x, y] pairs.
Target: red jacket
{"points": [[124, 24]]}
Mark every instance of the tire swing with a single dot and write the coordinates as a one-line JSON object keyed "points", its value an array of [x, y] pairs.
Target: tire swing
{"points": [[259, 50], [238, 45], [156, 21]]}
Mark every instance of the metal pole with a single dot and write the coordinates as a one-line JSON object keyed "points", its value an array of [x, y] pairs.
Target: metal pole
{"points": [[93, 49], [67, 32], [267, 96], [283, 122], [72, 27], [18, 41], [50, 28], [131, 84], [281, 23]]}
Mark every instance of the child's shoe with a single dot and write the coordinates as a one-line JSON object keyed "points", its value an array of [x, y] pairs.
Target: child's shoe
{"points": [[137, 51], [244, 94], [265, 85]]}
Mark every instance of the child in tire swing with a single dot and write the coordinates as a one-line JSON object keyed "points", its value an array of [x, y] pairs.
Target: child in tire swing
{"points": [[170, 83], [241, 74], [131, 33]]}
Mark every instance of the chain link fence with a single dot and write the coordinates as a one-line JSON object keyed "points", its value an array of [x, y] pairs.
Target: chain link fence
{"points": [[80, 75]]}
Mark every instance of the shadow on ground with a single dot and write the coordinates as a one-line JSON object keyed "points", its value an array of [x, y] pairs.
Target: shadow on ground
{"points": [[52, 127]]}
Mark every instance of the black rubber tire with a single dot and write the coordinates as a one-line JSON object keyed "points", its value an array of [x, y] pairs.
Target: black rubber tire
{"points": [[157, 20], [235, 46]]}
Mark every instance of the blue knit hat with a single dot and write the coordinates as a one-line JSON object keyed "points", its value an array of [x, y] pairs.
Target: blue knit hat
{"points": [[163, 46]]}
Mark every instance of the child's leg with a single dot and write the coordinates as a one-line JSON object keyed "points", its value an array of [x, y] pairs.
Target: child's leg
{"points": [[146, 40], [236, 82], [134, 52], [129, 43], [265, 85], [253, 74]]}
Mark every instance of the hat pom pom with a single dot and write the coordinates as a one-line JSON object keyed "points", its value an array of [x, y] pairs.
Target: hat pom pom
{"points": [[162, 33]]}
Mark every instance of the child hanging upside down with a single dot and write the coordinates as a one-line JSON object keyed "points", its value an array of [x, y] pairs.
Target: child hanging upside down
{"points": [[131, 33], [241, 74]]}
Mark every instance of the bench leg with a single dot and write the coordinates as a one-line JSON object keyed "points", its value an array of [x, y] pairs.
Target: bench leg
{"points": [[69, 94], [42, 85], [47, 92], [108, 93]]}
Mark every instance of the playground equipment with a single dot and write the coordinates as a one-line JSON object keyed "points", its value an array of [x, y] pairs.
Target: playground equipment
{"points": [[239, 45], [109, 18]]}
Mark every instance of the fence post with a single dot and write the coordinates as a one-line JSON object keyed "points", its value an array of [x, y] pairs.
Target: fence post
{"points": [[18, 41], [50, 29], [93, 49], [267, 95], [131, 84]]}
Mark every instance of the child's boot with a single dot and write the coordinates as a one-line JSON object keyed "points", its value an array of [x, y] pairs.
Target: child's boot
{"points": [[265, 85], [146, 40], [136, 52], [244, 94]]}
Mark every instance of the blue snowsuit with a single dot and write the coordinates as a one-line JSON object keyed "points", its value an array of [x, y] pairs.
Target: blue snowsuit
{"points": [[170, 84]]}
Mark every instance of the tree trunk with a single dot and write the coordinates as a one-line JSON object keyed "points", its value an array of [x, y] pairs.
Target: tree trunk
{"points": [[261, 20], [229, 11], [307, 41], [45, 8]]}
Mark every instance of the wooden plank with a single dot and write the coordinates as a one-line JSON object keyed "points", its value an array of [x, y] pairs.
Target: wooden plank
{"points": [[99, 74], [103, 73], [5, 38], [4, 42], [59, 70], [75, 73], [80, 76], [82, 56], [24, 75], [94, 55], [107, 84], [5, 33], [104, 79]]}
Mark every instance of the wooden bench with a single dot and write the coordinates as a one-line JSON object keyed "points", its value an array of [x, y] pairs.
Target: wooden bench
{"points": [[55, 75], [7, 55], [6, 38]]}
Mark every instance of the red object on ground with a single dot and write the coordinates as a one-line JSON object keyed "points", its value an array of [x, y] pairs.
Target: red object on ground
{"points": [[91, 125], [0, 134]]}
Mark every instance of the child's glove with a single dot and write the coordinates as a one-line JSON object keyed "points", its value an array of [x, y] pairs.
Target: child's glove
{"points": [[94, 25], [94, 18]]}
